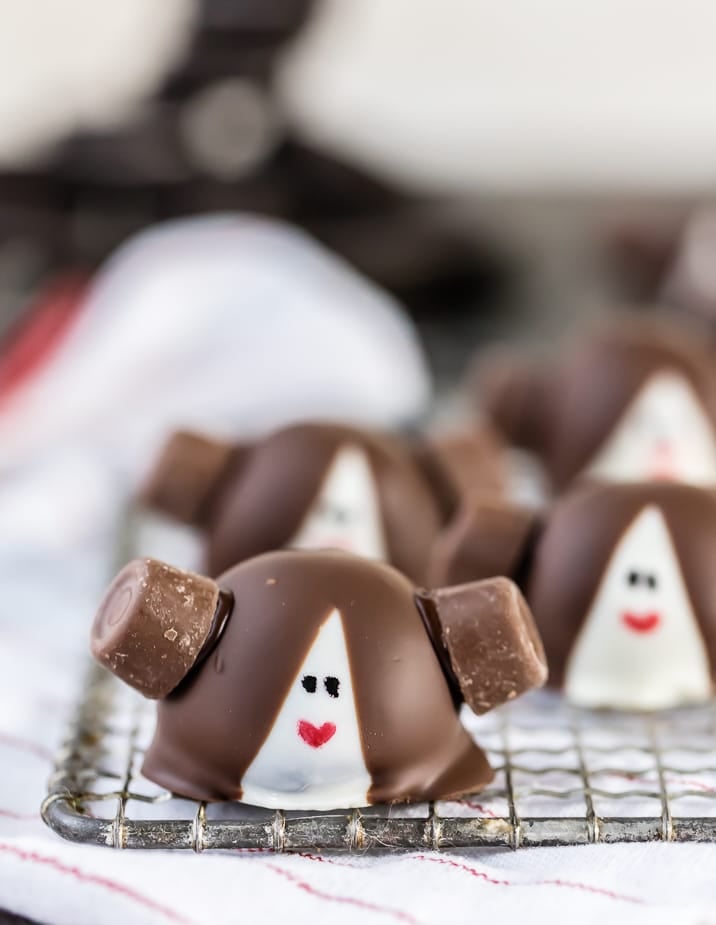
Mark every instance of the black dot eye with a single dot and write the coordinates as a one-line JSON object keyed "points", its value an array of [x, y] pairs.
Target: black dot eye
{"points": [[651, 581], [309, 683], [331, 684], [633, 578], [334, 513]]}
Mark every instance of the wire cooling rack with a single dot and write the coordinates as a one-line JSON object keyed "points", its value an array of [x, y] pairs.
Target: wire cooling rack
{"points": [[564, 777]]}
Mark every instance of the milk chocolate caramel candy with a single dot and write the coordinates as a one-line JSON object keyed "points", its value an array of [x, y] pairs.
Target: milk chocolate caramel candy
{"points": [[488, 632], [632, 401], [186, 473], [485, 537], [517, 396], [621, 582], [463, 463], [307, 486], [332, 683], [153, 624]]}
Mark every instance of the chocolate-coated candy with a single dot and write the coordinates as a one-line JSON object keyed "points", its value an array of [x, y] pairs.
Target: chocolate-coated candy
{"points": [[464, 463], [330, 682], [485, 537], [185, 475], [634, 400], [621, 582], [152, 625], [689, 282], [306, 486], [318, 485]]}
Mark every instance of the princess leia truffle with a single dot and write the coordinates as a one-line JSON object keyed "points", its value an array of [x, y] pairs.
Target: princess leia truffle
{"points": [[632, 401], [315, 680], [621, 582], [316, 485]]}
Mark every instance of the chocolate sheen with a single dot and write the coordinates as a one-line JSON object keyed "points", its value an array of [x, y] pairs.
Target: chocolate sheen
{"points": [[153, 624], [186, 474]]}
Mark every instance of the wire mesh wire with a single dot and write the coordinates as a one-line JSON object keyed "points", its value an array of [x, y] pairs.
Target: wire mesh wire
{"points": [[564, 776]]}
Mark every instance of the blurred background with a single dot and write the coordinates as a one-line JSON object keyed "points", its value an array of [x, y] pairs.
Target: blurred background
{"points": [[489, 163], [228, 215], [430, 178]]}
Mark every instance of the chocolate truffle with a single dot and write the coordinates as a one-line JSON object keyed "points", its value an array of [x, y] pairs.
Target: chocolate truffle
{"points": [[632, 401], [621, 581], [315, 680], [317, 486]]}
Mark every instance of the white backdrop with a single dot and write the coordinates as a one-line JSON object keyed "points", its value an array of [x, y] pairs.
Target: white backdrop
{"points": [[509, 95]]}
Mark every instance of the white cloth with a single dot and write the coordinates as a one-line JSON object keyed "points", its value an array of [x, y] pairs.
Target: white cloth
{"points": [[478, 95], [231, 322]]}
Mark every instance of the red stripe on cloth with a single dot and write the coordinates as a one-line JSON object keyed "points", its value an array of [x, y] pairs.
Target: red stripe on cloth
{"points": [[81, 876], [324, 860], [41, 331], [654, 782], [485, 810], [19, 817], [398, 914], [25, 745], [568, 884]]}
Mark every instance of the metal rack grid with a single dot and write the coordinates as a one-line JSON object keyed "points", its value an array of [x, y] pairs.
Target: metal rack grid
{"points": [[563, 777]]}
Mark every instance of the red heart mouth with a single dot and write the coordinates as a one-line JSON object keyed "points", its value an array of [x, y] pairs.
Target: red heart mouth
{"points": [[664, 464], [641, 623], [337, 542], [316, 736], [663, 474]]}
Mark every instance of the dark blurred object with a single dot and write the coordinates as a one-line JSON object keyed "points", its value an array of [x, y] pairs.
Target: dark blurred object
{"points": [[640, 247], [629, 400], [215, 139], [9, 918], [689, 282]]}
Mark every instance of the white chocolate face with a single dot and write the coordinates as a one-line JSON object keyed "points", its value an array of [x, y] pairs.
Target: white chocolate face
{"points": [[664, 434], [346, 513], [640, 646], [312, 757]]}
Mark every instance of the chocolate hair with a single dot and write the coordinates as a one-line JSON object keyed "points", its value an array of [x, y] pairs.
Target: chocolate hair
{"points": [[252, 499], [265, 506]]}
